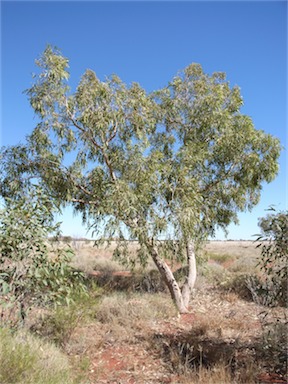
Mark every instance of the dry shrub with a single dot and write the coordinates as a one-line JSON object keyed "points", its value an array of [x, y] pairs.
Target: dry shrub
{"points": [[219, 325], [273, 345], [137, 281], [214, 273], [239, 284], [150, 281], [243, 265], [130, 311], [257, 288], [206, 359], [219, 373]]}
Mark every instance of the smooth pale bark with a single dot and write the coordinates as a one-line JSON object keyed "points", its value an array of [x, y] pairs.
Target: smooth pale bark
{"points": [[180, 298], [192, 273]]}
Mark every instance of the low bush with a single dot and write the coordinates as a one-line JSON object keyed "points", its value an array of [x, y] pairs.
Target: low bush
{"points": [[254, 287], [203, 359], [243, 265], [273, 347], [124, 281], [273, 242], [59, 324], [241, 284]]}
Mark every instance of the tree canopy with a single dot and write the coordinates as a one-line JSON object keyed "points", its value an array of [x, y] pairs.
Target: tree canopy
{"points": [[174, 164]]}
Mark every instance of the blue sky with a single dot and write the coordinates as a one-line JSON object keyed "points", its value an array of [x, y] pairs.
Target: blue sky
{"points": [[149, 42]]}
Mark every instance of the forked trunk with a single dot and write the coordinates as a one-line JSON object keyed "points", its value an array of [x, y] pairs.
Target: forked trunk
{"points": [[170, 281], [181, 299]]}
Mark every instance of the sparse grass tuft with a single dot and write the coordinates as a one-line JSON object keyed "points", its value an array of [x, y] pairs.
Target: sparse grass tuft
{"points": [[220, 258], [28, 360], [215, 274], [125, 313]]}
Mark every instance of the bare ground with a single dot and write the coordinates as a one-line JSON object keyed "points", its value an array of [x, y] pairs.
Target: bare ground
{"points": [[218, 342], [218, 329]]}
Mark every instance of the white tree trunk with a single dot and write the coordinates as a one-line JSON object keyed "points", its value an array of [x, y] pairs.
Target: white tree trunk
{"points": [[180, 298], [170, 281], [192, 273]]}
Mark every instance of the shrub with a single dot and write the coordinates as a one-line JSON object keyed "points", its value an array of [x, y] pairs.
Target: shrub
{"points": [[31, 271], [273, 346], [59, 324], [273, 260], [243, 285], [129, 310]]}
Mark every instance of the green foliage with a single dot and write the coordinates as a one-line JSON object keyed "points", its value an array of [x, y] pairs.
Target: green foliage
{"points": [[27, 360], [274, 345], [31, 271], [274, 253], [174, 164], [59, 325]]}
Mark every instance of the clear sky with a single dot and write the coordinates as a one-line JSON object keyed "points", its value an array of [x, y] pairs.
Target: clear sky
{"points": [[149, 42]]}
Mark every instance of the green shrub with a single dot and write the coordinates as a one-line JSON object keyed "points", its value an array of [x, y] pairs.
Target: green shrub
{"points": [[59, 325], [274, 254], [273, 347], [31, 271]]}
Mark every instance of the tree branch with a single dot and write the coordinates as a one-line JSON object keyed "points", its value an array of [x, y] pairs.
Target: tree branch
{"points": [[82, 201], [94, 142]]}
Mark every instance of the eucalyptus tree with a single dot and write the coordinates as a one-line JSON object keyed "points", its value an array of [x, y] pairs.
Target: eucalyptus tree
{"points": [[171, 165]]}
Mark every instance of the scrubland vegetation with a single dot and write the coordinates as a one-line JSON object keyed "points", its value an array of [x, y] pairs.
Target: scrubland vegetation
{"points": [[125, 328]]}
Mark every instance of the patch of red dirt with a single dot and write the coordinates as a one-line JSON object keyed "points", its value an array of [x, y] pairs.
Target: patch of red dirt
{"points": [[228, 263], [187, 318], [116, 273], [124, 364], [271, 378]]}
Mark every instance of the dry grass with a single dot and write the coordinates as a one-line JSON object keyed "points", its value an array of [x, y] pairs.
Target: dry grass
{"points": [[129, 337], [238, 249], [89, 260], [28, 360], [126, 314], [243, 255], [220, 373]]}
